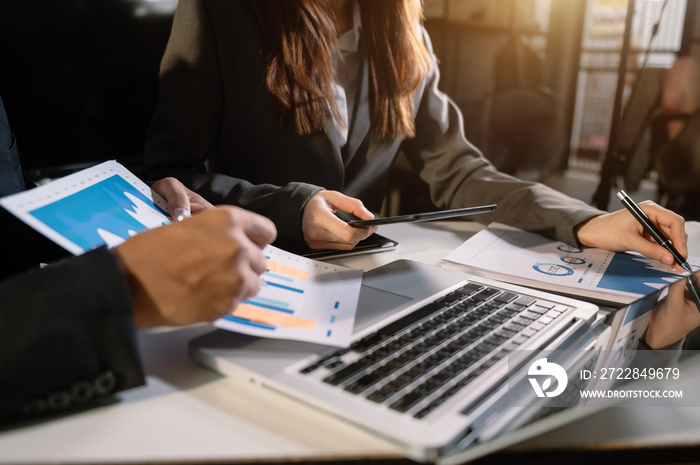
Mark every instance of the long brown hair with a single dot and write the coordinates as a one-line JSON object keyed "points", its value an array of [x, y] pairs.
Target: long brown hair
{"points": [[300, 73]]}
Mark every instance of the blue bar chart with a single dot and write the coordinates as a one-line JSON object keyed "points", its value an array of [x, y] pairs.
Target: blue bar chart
{"points": [[299, 299]]}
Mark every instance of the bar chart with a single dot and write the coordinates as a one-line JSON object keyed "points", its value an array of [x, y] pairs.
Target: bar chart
{"points": [[299, 299]]}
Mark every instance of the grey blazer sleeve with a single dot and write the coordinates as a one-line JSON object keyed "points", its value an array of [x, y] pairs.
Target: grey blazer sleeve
{"points": [[459, 176], [188, 121], [67, 337]]}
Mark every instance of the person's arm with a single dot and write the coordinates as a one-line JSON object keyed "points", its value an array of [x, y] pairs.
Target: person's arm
{"points": [[66, 337], [67, 330], [188, 120], [620, 232], [672, 318], [459, 176]]}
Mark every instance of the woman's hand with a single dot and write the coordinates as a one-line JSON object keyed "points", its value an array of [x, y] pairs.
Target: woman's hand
{"points": [[621, 232], [672, 318], [181, 200], [323, 230]]}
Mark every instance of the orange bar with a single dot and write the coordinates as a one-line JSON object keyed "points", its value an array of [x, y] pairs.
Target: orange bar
{"points": [[271, 317], [286, 270]]}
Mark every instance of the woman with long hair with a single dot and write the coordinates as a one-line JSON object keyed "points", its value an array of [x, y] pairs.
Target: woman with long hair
{"points": [[296, 109]]}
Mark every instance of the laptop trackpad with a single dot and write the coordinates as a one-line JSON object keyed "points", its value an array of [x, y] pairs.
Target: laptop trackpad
{"points": [[392, 287], [375, 304]]}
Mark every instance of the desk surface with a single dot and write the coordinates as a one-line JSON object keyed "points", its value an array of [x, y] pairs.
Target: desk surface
{"points": [[187, 413]]}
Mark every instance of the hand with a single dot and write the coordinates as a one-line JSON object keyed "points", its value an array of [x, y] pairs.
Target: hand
{"points": [[197, 269], [621, 232], [180, 199], [672, 318], [323, 230]]}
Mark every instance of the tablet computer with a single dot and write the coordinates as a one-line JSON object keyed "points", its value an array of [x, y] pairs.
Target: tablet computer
{"points": [[374, 243], [416, 217]]}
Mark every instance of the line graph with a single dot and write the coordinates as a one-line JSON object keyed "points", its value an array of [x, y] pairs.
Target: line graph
{"points": [[108, 212], [102, 205]]}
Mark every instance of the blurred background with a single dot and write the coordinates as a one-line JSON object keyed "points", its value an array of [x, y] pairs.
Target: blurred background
{"points": [[567, 92]]}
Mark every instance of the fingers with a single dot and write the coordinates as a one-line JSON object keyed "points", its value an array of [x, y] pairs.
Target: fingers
{"points": [[252, 232], [181, 200], [670, 223], [620, 232], [249, 263], [195, 270], [651, 249], [672, 318], [673, 228], [177, 196], [260, 230], [198, 203], [338, 201], [323, 230]]}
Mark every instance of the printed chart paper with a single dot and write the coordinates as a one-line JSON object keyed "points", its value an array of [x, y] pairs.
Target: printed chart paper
{"points": [[512, 255], [300, 299], [104, 204]]}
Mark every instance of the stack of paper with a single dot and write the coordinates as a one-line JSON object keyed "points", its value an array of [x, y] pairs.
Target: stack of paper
{"points": [[511, 255]]}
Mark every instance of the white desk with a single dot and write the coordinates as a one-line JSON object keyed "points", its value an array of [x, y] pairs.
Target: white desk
{"points": [[187, 413]]}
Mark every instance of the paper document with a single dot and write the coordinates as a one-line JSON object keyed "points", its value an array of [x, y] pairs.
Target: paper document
{"points": [[104, 204], [519, 257], [300, 299]]}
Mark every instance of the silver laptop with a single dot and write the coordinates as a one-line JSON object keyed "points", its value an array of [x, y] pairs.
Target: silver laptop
{"points": [[430, 361]]}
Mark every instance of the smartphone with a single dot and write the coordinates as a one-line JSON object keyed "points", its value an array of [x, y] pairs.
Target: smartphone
{"points": [[416, 217], [374, 243]]}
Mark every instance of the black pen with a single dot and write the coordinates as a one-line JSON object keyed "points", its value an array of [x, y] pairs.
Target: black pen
{"points": [[653, 231]]}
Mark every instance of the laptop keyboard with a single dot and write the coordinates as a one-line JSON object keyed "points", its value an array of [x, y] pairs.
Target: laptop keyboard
{"points": [[416, 363]]}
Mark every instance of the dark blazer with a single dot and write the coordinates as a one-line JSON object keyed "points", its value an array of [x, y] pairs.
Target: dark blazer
{"points": [[11, 178], [67, 337], [214, 109]]}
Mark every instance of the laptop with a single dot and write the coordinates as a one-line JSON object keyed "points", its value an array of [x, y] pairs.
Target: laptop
{"points": [[431, 362]]}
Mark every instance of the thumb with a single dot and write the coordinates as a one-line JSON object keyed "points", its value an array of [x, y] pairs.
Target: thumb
{"points": [[342, 202], [177, 197]]}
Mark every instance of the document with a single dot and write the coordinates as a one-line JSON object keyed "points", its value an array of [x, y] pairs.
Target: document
{"points": [[511, 255], [300, 299], [104, 204]]}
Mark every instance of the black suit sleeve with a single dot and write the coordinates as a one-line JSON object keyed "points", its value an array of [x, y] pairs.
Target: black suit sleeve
{"points": [[67, 337]]}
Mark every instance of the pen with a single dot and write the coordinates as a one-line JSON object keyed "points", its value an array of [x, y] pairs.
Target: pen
{"points": [[653, 231], [180, 214]]}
